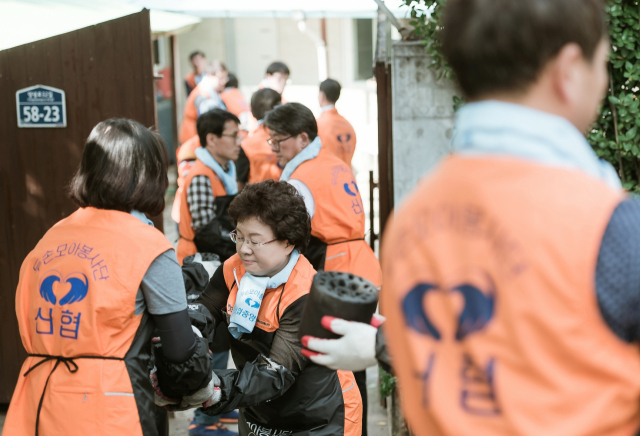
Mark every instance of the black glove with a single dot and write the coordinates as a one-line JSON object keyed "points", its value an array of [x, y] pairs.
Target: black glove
{"points": [[202, 319]]}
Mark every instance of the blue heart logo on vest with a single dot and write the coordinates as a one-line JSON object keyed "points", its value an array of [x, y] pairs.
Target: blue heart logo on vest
{"points": [[79, 287], [252, 303], [477, 312], [344, 137], [350, 192]]}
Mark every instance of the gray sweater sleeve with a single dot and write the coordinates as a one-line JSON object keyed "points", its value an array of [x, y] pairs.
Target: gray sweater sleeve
{"points": [[162, 286], [618, 272]]}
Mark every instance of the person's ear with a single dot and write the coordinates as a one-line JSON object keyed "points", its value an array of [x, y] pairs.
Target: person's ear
{"points": [[212, 139], [566, 72], [304, 139], [289, 248]]}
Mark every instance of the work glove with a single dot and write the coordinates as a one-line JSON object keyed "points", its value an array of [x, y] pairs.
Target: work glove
{"points": [[159, 398], [354, 351], [205, 397]]}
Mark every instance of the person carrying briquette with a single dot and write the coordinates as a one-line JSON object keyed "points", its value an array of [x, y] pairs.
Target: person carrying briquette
{"points": [[93, 291], [511, 272], [209, 187], [259, 294], [336, 133], [204, 97], [198, 62], [332, 198], [233, 98], [257, 162]]}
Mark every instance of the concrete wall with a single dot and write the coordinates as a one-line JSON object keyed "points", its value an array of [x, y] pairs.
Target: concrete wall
{"points": [[422, 116]]}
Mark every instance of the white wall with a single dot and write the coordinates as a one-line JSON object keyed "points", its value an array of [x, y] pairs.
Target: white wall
{"points": [[208, 37], [422, 116]]}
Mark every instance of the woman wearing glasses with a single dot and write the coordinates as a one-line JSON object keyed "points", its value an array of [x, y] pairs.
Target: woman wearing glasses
{"points": [[259, 293]]}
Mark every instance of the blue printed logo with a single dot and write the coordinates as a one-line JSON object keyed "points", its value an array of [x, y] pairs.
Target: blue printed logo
{"points": [[350, 192], [252, 303], [477, 380], [79, 287], [476, 314], [344, 137]]}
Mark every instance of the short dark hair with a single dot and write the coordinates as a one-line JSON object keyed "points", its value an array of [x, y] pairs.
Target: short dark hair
{"points": [[124, 167], [264, 100], [503, 45], [213, 122], [292, 119], [232, 81], [331, 89], [196, 53], [217, 65], [278, 67], [279, 206]]}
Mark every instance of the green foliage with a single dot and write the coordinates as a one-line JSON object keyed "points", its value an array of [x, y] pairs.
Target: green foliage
{"points": [[615, 136], [425, 16], [387, 383]]}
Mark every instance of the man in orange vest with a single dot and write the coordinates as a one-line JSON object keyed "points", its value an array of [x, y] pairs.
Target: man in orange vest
{"points": [[198, 62], [209, 185], [511, 273], [204, 97], [207, 190], [332, 198], [336, 133], [257, 162]]}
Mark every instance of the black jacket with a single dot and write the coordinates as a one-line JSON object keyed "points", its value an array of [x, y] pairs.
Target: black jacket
{"points": [[276, 387]]}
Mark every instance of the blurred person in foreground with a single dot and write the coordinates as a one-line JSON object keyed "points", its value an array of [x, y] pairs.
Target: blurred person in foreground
{"points": [[336, 133], [257, 162], [204, 97], [511, 273], [198, 62]]}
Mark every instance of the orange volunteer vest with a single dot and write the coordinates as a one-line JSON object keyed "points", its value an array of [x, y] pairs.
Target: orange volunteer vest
{"points": [[263, 163], [337, 135], [493, 323], [186, 157], [188, 127], [234, 101], [339, 216], [274, 303], [186, 246], [75, 304]]}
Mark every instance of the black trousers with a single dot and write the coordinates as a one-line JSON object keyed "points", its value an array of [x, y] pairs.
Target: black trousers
{"points": [[361, 381]]}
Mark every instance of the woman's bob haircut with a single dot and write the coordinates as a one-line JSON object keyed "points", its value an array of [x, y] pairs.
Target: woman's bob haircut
{"points": [[277, 205], [124, 167]]}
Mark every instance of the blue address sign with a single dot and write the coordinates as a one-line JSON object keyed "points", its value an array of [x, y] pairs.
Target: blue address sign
{"points": [[41, 106]]}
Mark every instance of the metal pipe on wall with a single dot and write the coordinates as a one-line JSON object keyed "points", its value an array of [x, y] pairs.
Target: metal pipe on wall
{"points": [[320, 43]]}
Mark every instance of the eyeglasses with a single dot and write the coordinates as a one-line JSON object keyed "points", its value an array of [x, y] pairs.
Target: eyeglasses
{"points": [[275, 144], [234, 137], [238, 240]]}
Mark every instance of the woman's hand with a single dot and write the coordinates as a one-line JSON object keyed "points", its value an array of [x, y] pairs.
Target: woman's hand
{"points": [[205, 397], [160, 399], [354, 351]]}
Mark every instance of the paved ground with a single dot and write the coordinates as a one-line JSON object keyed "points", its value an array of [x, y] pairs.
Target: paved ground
{"points": [[3, 413]]}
